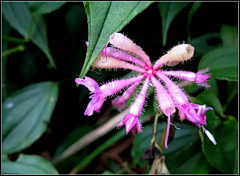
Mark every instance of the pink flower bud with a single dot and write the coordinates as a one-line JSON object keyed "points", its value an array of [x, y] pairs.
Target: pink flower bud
{"points": [[178, 53], [120, 41]]}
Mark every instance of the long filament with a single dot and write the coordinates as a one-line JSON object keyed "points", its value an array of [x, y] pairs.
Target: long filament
{"points": [[168, 128]]}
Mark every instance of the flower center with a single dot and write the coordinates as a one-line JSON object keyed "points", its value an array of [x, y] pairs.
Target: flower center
{"points": [[149, 72]]}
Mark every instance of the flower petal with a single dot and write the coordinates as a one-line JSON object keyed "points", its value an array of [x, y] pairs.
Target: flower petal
{"points": [[88, 82]]}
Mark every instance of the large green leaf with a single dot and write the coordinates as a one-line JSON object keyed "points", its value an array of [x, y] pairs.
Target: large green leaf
{"points": [[39, 8], [202, 166], [208, 98], [221, 156], [229, 35], [113, 17], [184, 160], [27, 164], [25, 114], [13, 13], [222, 63], [168, 11]]}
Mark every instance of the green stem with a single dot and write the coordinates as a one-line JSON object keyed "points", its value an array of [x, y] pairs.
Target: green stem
{"points": [[13, 50], [29, 37], [153, 141], [13, 39], [155, 129]]}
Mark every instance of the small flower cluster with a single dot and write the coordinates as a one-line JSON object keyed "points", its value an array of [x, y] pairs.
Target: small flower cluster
{"points": [[130, 56]]}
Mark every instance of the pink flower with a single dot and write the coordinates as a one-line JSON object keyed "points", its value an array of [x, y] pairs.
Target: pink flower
{"points": [[131, 120], [126, 56], [194, 113], [131, 123], [97, 96], [100, 93]]}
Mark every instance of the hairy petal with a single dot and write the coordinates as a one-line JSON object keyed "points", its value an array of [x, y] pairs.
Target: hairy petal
{"points": [[88, 82], [94, 105], [120, 41], [185, 75], [198, 77], [164, 99], [119, 54], [110, 62], [121, 101], [115, 86], [176, 93], [137, 106]]}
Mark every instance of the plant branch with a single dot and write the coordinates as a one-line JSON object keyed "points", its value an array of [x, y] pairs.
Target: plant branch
{"points": [[13, 50]]}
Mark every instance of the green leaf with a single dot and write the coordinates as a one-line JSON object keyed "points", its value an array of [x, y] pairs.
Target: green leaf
{"points": [[222, 63], [25, 115], [210, 100], [168, 11], [213, 86], [202, 166], [205, 43], [221, 156], [236, 166], [39, 8], [194, 8], [5, 30], [229, 35], [113, 17], [27, 164], [183, 161], [13, 13], [232, 91]]}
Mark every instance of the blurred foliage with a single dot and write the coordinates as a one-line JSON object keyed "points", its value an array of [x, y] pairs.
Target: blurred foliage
{"points": [[44, 50]]}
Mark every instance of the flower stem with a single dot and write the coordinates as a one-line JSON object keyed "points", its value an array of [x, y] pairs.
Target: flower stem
{"points": [[153, 141], [13, 50], [13, 39], [29, 37]]}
